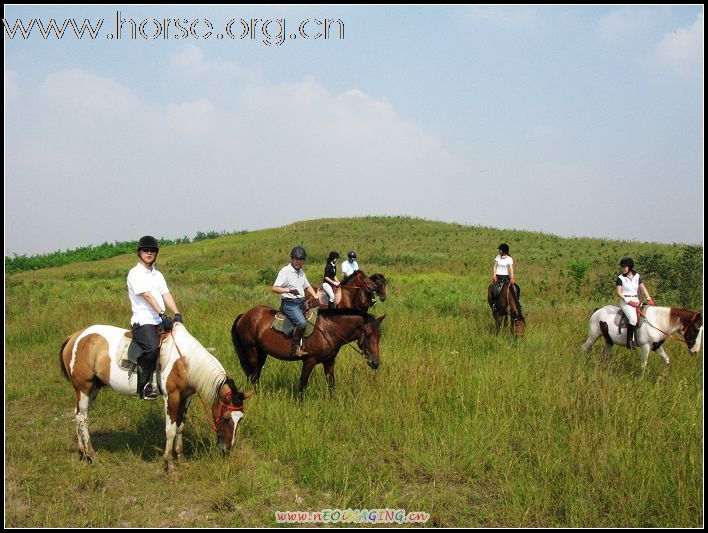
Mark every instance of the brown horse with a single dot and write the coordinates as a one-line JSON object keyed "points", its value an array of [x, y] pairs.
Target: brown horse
{"points": [[358, 292], [254, 340], [505, 304], [90, 360]]}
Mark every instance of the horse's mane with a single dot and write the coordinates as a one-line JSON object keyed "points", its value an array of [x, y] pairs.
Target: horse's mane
{"points": [[205, 373]]}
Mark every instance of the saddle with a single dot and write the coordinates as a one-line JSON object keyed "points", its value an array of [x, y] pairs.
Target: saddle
{"points": [[128, 353], [283, 324], [624, 321], [498, 286]]}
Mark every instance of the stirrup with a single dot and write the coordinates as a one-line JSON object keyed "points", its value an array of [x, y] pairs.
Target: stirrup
{"points": [[148, 393]]}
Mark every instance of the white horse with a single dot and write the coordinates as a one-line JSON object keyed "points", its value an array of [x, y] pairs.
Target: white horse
{"points": [[657, 324], [90, 360]]}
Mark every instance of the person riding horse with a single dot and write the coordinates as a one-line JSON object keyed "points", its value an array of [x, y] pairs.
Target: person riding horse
{"points": [[330, 283], [291, 285], [503, 270], [350, 265], [628, 285], [148, 295]]}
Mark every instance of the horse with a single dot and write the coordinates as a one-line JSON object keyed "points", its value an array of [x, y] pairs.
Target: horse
{"points": [[504, 304], [254, 339], [659, 323], [90, 358], [357, 291]]}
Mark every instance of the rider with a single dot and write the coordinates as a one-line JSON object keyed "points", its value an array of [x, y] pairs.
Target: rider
{"points": [[291, 284], [148, 295], [330, 282], [628, 285], [503, 270], [350, 265]]}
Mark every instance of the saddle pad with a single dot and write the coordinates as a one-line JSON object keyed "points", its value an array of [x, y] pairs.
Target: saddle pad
{"points": [[283, 324]]}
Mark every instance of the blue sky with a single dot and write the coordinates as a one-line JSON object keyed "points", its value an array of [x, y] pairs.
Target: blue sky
{"points": [[571, 120]]}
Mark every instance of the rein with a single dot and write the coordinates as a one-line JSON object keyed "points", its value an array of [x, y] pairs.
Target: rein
{"points": [[206, 410], [669, 335]]}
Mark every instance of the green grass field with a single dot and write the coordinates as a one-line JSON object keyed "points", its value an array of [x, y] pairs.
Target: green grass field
{"points": [[473, 428]]}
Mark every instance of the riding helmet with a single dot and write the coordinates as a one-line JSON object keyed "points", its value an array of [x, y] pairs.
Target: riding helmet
{"points": [[298, 253], [148, 242], [351, 255], [627, 262], [503, 247]]}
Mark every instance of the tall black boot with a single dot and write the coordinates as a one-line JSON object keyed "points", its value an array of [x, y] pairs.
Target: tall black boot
{"points": [[145, 388], [630, 337], [295, 349]]}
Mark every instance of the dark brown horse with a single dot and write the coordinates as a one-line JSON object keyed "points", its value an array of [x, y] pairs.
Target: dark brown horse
{"points": [[254, 340], [504, 305], [358, 291]]}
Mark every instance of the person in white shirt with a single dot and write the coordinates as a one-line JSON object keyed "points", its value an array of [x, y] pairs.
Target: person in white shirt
{"points": [[350, 265], [291, 284], [148, 295], [628, 285], [503, 266]]}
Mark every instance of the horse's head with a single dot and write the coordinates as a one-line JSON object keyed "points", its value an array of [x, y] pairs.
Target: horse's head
{"points": [[228, 412], [365, 290], [693, 333], [380, 282], [518, 326], [368, 338]]}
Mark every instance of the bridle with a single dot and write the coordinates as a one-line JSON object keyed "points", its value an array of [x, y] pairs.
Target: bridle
{"points": [[684, 330]]}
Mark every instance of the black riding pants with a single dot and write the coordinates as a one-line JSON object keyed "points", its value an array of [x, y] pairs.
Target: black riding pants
{"points": [[148, 338]]}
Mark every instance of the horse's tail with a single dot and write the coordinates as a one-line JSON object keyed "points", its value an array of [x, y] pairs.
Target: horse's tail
{"points": [[61, 359], [238, 346]]}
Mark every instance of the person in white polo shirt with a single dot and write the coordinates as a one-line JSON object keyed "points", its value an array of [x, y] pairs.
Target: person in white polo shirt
{"points": [[350, 265], [503, 271], [291, 284], [628, 286], [148, 295]]}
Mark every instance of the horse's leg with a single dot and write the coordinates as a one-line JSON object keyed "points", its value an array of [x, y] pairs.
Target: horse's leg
{"points": [[307, 366], [172, 407], [181, 418], [83, 405], [329, 374], [646, 348], [660, 351]]}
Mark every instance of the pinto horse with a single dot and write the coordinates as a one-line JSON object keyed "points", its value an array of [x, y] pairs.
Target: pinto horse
{"points": [[659, 323], [357, 292], [504, 304], [254, 339], [89, 359]]}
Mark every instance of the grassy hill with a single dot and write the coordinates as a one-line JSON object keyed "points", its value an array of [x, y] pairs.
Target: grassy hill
{"points": [[472, 428]]}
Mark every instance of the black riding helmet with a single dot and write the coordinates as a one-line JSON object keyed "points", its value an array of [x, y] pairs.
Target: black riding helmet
{"points": [[332, 256], [627, 262], [351, 255], [148, 242], [503, 247], [298, 253]]}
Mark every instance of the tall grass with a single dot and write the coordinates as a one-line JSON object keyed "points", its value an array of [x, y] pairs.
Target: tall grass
{"points": [[473, 428]]}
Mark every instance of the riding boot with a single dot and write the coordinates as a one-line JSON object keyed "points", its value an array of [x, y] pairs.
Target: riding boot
{"points": [[330, 305], [145, 388], [631, 345], [295, 349]]}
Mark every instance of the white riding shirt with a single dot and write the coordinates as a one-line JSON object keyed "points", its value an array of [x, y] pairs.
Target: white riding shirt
{"points": [[142, 280], [503, 265]]}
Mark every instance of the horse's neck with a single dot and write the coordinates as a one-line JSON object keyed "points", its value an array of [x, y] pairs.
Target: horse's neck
{"points": [[349, 326], [204, 372], [664, 318]]}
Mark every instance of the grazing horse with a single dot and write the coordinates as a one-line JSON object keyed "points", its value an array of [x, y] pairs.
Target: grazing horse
{"points": [[659, 323], [254, 340], [90, 360], [504, 304]]}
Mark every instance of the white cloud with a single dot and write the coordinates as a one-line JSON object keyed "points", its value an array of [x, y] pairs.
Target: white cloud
{"points": [[110, 165], [681, 51]]}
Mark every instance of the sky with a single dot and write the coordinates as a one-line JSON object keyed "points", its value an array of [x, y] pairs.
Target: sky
{"points": [[571, 120]]}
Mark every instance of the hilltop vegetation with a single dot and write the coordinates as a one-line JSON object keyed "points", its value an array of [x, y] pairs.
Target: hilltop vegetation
{"points": [[475, 429]]}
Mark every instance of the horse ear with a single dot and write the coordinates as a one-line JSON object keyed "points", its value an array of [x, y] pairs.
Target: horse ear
{"points": [[380, 318], [248, 394]]}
